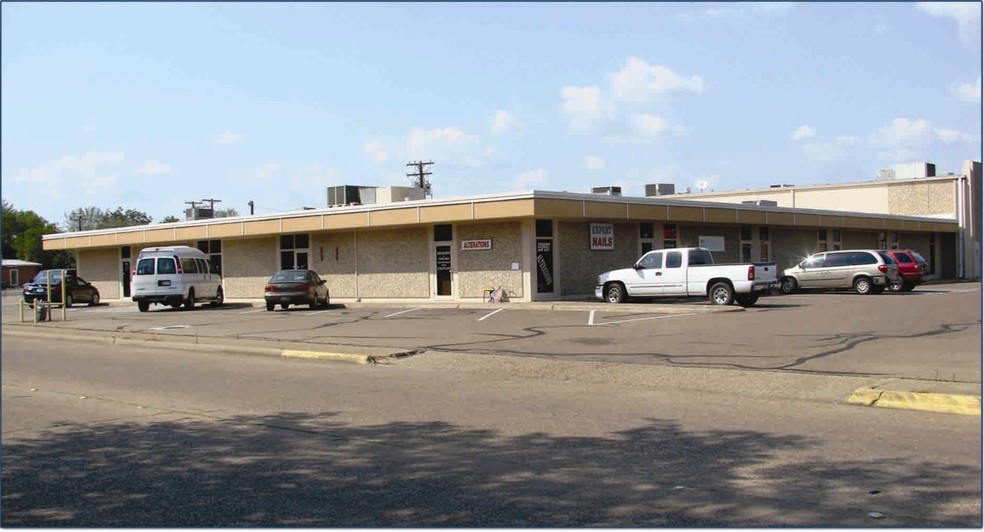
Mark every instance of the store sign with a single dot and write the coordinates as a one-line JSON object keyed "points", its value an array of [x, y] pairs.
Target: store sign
{"points": [[472, 245], [602, 236], [712, 243]]}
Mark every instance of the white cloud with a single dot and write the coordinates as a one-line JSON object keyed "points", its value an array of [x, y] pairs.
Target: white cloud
{"points": [[376, 150], [449, 144], [528, 177], [265, 172], [593, 162], [966, 14], [906, 133], [153, 168], [829, 151], [639, 81], [648, 124], [69, 175], [739, 10], [504, 122], [311, 179], [970, 92], [804, 132], [585, 106], [230, 137]]}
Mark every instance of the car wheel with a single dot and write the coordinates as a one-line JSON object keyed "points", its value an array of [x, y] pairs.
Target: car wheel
{"points": [[615, 293], [69, 300], [94, 301], [190, 302], [896, 285], [219, 298], [908, 287], [284, 305], [877, 289], [746, 301], [862, 285], [313, 305], [788, 285], [143, 306], [269, 307], [721, 294]]}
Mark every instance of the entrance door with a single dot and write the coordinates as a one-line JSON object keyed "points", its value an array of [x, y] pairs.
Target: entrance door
{"points": [[14, 278], [442, 262], [126, 278]]}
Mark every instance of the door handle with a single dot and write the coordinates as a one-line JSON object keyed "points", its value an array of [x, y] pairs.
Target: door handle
{"points": [[658, 273]]}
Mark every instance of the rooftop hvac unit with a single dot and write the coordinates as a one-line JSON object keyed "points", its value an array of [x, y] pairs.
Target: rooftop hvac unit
{"points": [[350, 195], [885, 174], [914, 170], [199, 213], [660, 189], [609, 191], [761, 203]]}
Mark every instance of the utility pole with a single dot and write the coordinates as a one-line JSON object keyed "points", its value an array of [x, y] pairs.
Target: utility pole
{"points": [[211, 203], [250, 207], [80, 222], [420, 176]]}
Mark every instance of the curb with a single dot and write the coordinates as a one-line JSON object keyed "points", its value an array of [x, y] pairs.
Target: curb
{"points": [[195, 344], [928, 402]]}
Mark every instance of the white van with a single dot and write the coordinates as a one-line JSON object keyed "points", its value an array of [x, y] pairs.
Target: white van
{"points": [[175, 276]]}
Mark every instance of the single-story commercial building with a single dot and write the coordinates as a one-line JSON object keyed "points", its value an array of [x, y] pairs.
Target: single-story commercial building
{"points": [[536, 245]]}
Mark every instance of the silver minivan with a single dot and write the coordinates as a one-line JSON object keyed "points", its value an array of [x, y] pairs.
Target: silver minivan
{"points": [[867, 271]]}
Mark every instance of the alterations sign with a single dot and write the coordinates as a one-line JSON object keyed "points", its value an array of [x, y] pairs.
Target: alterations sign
{"points": [[602, 236], [472, 245]]}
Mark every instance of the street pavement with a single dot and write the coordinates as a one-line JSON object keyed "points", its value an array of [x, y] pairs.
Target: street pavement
{"points": [[817, 347]]}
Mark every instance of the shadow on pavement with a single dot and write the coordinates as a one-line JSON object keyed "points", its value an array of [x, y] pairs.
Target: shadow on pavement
{"points": [[309, 470]]}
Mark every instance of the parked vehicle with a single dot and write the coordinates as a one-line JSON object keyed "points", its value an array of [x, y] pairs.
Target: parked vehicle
{"points": [[296, 287], [175, 276], [866, 271], [77, 290], [684, 272], [912, 269]]}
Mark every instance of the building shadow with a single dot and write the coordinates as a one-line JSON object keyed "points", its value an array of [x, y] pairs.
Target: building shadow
{"points": [[297, 469]]}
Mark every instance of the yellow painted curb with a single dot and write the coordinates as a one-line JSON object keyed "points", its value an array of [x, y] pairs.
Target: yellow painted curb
{"points": [[924, 401], [359, 359]]}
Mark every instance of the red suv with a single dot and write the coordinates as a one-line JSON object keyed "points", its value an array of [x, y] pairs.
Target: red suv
{"points": [[913, 269]]}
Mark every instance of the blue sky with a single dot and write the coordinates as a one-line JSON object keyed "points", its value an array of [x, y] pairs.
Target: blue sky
{"points": [[150, 105]]}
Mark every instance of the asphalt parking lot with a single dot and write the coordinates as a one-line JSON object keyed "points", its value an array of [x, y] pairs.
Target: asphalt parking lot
{"points": [[931, 333]]}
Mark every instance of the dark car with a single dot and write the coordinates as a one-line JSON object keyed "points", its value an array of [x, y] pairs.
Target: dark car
{"points": [[79, 290], [913, 269], [296, 287]]}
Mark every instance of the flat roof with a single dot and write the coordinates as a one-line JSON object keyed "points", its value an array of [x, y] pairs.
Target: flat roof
{"points": [[490, 208]]}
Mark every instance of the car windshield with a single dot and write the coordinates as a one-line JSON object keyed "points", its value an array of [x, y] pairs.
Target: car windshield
{"points": [[919, 258], [42, 277], [290, 276]]}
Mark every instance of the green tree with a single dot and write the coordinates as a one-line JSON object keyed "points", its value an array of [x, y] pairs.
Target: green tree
{"points": [[170, 219], [89, 218], [21, 235], [226, 213]]}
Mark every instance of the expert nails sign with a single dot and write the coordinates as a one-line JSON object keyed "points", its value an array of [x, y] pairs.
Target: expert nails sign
{"points": [[602, 236]]}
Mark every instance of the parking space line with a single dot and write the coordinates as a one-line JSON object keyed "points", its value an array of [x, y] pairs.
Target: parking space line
{"points": [[494, 312], [648, 318], [591, 318], [402, 312], [251, 311], [317, 312]]}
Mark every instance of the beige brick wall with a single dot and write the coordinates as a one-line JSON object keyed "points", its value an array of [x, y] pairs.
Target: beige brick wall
{"points": [[860, 240], [395, 263], [247, 265], [337, 264], [790, 246], [689, 236], [579, 266], [102, 268], [480, 269], [921, 199]]}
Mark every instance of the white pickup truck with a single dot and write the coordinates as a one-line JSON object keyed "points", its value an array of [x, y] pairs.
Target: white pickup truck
{"points": [[686, 272]]}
